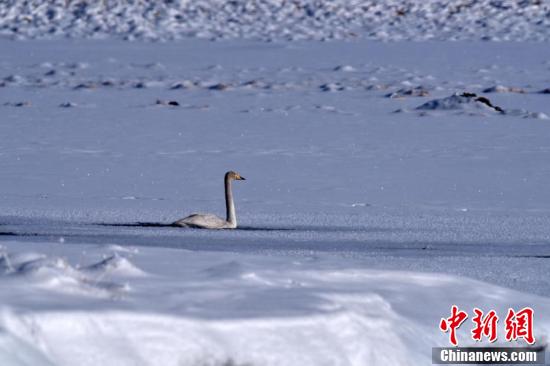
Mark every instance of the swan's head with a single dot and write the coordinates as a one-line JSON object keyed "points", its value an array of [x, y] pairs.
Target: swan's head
{"points": [[233, 175]]}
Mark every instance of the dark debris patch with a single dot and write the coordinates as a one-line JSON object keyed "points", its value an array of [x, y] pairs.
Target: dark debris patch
{"points": [[185, 84], [219, 87], [140, 85], [18, 104], [483, 100], [169, 103], [85, 86], [411, 92], [332, 87], [487, 102], [108, 83]]}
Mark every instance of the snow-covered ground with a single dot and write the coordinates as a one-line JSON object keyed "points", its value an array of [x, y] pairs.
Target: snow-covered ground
{"points": [[388, 20], [380, 191]]}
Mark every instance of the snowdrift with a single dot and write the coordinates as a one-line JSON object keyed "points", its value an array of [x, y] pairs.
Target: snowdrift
{"points": [[226, 310]]}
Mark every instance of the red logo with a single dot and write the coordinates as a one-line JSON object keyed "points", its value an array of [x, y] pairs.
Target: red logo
{"points": [[485, 326], [517, 325], [452, 323], [520, 325]]}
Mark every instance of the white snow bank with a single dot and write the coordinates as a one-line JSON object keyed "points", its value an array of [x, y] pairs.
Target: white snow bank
{"points": [[302, 19], [56, 274], [344, 338], [115, 264], [221, 309]]}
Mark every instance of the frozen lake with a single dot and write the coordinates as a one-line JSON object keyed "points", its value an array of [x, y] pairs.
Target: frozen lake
{"points": [[358, 207]]}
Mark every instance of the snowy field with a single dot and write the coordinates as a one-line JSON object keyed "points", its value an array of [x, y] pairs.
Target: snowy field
{"points": [[387, 20], [380, 191]]}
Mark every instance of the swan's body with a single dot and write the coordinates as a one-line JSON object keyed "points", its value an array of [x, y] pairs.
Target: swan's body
{"points": [[205, 221], [209, 221]]}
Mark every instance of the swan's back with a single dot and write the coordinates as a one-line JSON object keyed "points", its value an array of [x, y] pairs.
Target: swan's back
{"points": [[203, 221]]}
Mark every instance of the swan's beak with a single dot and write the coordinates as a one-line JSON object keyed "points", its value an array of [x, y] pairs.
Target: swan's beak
{"points": [[241, 178]]}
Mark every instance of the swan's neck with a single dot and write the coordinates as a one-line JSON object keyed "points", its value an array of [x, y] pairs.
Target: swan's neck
{"points": [[229, 205]]}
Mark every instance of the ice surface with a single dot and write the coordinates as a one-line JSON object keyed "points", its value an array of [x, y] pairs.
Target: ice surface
{"points": [[359, 227]]}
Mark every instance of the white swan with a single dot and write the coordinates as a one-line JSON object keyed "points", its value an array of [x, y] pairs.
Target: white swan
{"points": [[208, 221]]}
